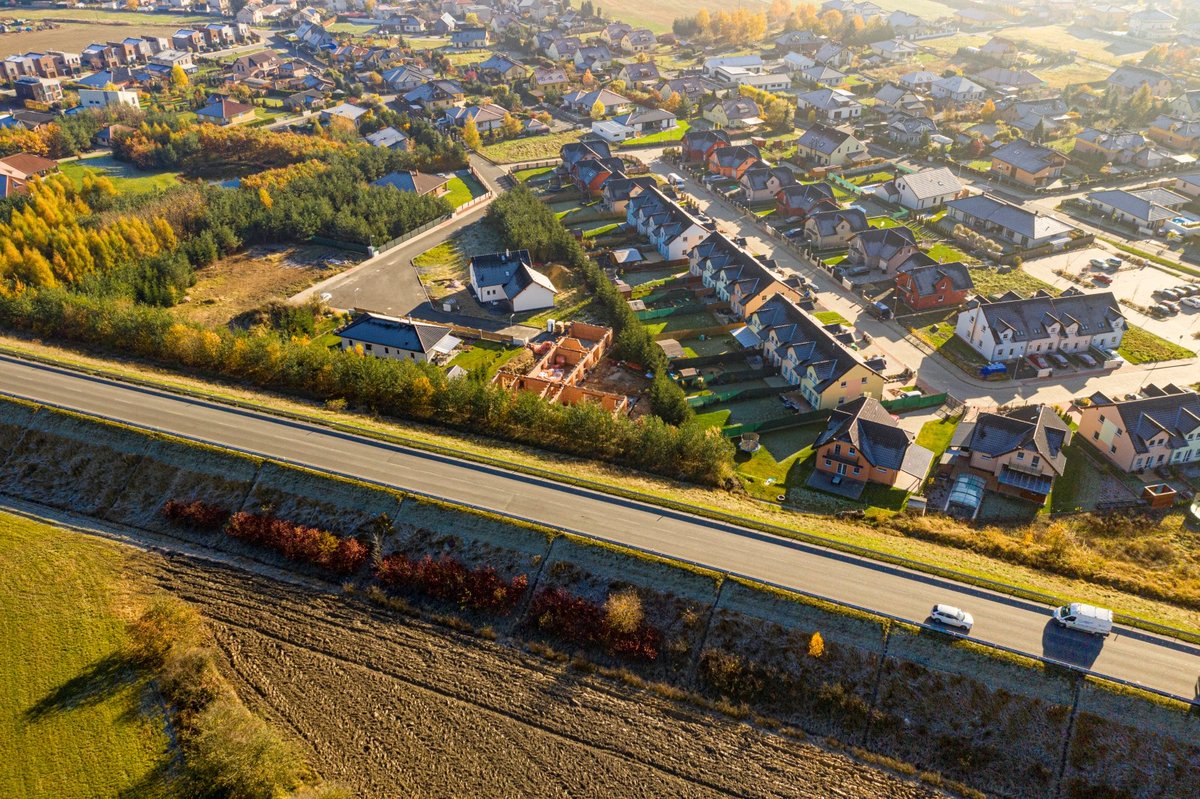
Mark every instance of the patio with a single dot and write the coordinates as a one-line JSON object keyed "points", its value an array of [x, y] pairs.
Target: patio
{"points": [[843, 487]]}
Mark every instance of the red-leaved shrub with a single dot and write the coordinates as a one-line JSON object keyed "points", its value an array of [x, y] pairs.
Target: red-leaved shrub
{"points": [[560, 613], [450, 580], [297, 542], [196, 514]]}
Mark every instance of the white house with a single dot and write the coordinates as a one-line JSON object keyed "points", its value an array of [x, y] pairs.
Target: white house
{"points": [[509, 277], [922, 190], [672, 230], [1014, 327], [957, 89], [393, 337], [104, 98]]}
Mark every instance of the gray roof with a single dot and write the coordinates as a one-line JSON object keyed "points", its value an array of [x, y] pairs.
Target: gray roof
{"points": [[1033, 226], [824, 348], [885, 242], [826, 222], [1034, 428], [759, 176], [827, 99], [389, 331], [1140, 208], [958, 83], [925, 277], [1028, 156], [1028, 319], [511, 269], [930, 183], [822, 139], [866, 425], [1170, 410], [1130, 76]]}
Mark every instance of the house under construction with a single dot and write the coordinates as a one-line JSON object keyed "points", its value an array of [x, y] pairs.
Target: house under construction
{"points": [[561, 365]]}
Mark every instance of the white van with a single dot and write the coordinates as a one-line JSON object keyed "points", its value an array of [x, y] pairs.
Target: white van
{"points": [[1086, 618], [675, 180]]}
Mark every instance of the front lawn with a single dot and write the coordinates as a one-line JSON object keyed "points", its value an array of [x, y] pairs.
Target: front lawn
{"points": [[935, 435], [528, 175], [661, 137], [125, 177], [462, 189], [1141, 346], [530, 148]]}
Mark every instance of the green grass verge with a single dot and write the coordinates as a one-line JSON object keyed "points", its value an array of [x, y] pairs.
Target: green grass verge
{"points": [[1141, 346], [71, 719]]}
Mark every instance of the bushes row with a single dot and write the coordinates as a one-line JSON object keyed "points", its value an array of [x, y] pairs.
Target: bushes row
{"points": [[448, 580], [561, 614], [294, 541], [401, 389], [298, 542]]}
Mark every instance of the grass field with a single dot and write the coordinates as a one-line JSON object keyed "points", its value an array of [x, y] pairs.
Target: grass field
{"points": [[72, 724], [1086, 43], [489, 354], [992, 281], [663, 136], [532, 148], [1142, 346], [462, 189], [126, 178]]}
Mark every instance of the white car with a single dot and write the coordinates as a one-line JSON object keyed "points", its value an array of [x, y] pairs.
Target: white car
{"points": [[1191, 302], [952, 617]]}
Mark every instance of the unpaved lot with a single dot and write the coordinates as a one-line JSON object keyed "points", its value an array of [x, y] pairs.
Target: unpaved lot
{"points": [[391, 705], [74, 36]]}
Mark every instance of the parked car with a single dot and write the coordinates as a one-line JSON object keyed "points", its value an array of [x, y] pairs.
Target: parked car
{"points": [[709, 180], [1059, 360], [952, 617], [1191, 302], [1096, 263], [1115, 263], [1103, 280], [1088, 360], [1172, 308], [1039, 361], [1085, 618], [1186, 291], [1168, 294]]}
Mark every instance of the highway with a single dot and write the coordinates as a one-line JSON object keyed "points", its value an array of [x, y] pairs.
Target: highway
{"points": [[1132, 655]]}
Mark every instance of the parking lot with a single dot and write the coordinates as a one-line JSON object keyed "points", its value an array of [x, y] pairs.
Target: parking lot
{"points": [[1131, 283]]}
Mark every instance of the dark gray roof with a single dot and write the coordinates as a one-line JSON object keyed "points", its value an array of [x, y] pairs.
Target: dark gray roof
{"points": [[759, 176], [403, 334], [1132, 77], [735, 154], [822, 139], [866, 425], [1168, 410], [885, 242], [1028, 318], [824, 348], [806, 195], [1030, 224], [1141, 208], [925, 276], [826, 221], [1028, 156], [1034, 428], [929, 183]]}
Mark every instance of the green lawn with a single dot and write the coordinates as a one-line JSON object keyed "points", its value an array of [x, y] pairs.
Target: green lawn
{"points": [[992, 281], [783, 462], [935, 435], [75, 720], [531, 148], [663, 136], [526, 175], [489, 354], [883, 222], [1142, 346], [462, 189], [126, 178], [831, 317], [944, 253]]}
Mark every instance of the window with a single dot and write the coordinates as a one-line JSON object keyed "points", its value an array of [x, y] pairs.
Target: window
{"points": [[837, 449], [1096, 435], [828, 462], [843, 384], [1102, 418], [1036, 461], [851, 452], [864, 380], [1113, 448], [1020, 456], [1119, 431], [857, 470]]}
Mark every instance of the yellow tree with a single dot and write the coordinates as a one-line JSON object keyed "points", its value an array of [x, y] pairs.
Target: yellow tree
{"points": [[588, 79], [470, 137], [179, 78], [988, 112], [511, 125], [597, 111], [703, 22]]}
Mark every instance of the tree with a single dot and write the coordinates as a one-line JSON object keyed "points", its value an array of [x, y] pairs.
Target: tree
{"points": [[597, 111], [703, 22], [1039, 130], [988, 112], [623, 612], [1140, 104], [131, 5], [179, 78], [816, 645], [472, 19], [667, 400], [511, 125], [588, 79], [470, 136]]}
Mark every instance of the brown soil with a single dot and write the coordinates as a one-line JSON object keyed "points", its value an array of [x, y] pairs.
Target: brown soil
{"points": [[250, 279], [73, 37], [391, 705]]}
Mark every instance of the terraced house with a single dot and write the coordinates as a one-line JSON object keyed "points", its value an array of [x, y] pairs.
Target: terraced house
{"points": [[812, 356], [1160, 427], [736, 276], [1013, 327], [672, 230], [761, 182]]}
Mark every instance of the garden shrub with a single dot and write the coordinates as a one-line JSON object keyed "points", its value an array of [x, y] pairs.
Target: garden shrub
{"points": [[297, 542], [449, 580], [558, 612]]}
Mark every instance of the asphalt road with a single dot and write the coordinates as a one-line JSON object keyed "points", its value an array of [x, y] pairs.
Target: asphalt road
{"points": [[1128, 654]]}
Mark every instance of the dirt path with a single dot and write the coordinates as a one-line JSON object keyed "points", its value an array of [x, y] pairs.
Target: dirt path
{"points": [[393, 705]]}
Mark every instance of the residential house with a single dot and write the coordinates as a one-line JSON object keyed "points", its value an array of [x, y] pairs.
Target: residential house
{"points": [[591, 174], [920, 80], [694, 88], [549, 79], [1178, 134], [469, 38], [223, 111], [908, 26], [186, 39], [581, 102], [907, 130], [1153, 24], [488, 117], [393, 337], [1027, 115], [563, 48], [830, 229], [106, 98], [1007, 222], [107, 134], [799, 200], [500, 69], [390, 139], [923, 190], [509, 277], [344, 113], [672, 230], [1186, 105], [891, 97], [436, 95], [894, 49], [801, 41], [23, 167], [1020, 452], [406, 78], [619, 189], [573, 153], [257, 65], [733, 112], [957, 89], [414, 182], [815, 357], [795, 63], [39, 90], [761, 182], [862, 443], [1189, 185], [736, 276], [828, 146], [832, 106], [1147, 209], [834, 55], [774, 82], [882, 248], [1128, 78], [928, 286], [733, 161], [1161, 427], [821, 75], [594, 57], [754, 63], [1013, 327], [640, 40], [697, 145], [644, 121], [640, 74], [614, 32], [1027, 163], [304, 100], [1001, 51], [1008, 81]]}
